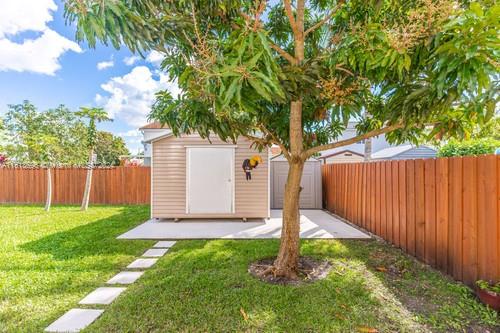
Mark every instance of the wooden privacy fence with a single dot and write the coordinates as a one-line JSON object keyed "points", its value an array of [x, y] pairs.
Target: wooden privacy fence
{"points": [[443, 211], [114, 186]]}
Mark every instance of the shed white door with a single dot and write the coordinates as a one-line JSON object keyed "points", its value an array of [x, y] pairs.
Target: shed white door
{"points": [[310, 196], [210, 179]]}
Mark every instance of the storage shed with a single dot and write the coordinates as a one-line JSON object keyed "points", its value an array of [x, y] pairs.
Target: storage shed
{"points": [[192, 177], [311, 194]]}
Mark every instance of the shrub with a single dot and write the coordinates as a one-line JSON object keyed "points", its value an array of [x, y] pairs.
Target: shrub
{"points": [[468, 147]]}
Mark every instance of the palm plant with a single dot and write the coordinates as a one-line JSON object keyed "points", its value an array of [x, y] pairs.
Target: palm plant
{"points": [[94, 115]]}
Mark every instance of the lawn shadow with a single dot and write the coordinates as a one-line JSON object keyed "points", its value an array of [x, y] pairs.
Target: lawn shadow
{"points": [[208, 283], [95, 238], [367, 275], [414, 289]]}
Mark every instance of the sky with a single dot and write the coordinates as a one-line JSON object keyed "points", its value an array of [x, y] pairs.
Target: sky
{"points": [[40, 61]]}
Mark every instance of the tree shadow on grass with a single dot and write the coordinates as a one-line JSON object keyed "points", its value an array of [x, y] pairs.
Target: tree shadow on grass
{"points": [[95, 238], [412, 288], [204, 286]]}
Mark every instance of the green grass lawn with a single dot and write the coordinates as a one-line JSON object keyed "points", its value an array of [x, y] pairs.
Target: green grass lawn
{"points": [[203, 286], [48, 262]]}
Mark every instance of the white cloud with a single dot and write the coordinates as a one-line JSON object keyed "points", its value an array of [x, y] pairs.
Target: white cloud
{"points": [[129, 61], [130, 97], [130, 133], [25, 15], [40, 54], [105, 64], [155, 58]]}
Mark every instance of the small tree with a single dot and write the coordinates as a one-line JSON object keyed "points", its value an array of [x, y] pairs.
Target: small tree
{"points": [[44, 146], [109, 148], [94, 115], [293, 73], [23, 124]]}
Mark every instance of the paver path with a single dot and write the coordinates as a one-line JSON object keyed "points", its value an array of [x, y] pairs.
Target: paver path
{"points": [[77, 319]]}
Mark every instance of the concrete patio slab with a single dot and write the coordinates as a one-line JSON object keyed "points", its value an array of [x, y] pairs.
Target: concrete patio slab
{"points": [[313, 224], [164, 244], [74, 320], [155, 253], [142, 263], [125, 278], [102, 295]]}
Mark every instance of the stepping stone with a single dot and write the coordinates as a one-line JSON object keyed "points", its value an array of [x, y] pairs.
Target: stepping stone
{"points": [[142, 263], [164, 244], [125, 278], [103, 295], [155, 253], [74, 320]]}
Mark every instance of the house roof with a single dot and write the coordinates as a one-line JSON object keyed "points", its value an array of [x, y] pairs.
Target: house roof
{"points": [[341, 152], [275, 150], [394, 151], [154, 125]]}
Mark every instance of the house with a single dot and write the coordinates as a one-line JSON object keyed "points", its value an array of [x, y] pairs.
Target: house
{"points": [[342, 156], [381, 150], [149, 132], [192, 177], [354, 152], [404, 152]]}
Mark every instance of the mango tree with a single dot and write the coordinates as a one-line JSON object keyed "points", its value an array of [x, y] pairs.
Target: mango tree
{"points": [[293, 73]]}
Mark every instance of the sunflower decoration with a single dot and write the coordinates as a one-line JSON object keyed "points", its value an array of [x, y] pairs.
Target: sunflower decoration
{"points": [[249, 164]]}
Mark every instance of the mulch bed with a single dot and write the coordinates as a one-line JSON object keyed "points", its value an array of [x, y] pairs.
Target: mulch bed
{"points": [[310, 270]]}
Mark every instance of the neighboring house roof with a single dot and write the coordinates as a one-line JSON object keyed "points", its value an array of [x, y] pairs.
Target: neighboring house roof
{"points": [[154, 125], [397, 151], [341, 152], [275, 150]]}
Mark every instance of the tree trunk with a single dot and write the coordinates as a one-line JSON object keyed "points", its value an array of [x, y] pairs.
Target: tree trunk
{"points": [[368, 149], [286, 263], [88, 184], [48, 199]]}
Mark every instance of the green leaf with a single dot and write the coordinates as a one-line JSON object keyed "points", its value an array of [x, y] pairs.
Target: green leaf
{"points": [[476, 9], [260, 89], [265, 44], [250, 64], [230, 91]]}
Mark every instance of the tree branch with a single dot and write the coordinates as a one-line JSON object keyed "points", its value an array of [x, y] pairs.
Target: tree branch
{"points": [[265, 142], [340, 68], [257, 24], [324, 20], [289, 14], [291, 59], [352, 140], [285, 151]]}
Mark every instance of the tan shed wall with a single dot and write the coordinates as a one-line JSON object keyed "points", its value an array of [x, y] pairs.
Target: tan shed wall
{"points": [[169, 179]]}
